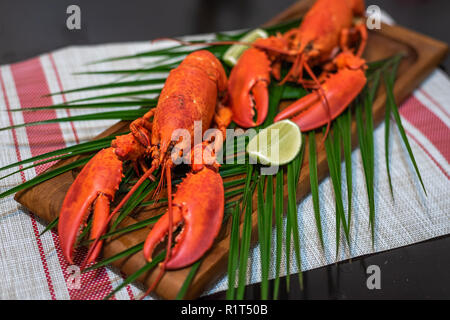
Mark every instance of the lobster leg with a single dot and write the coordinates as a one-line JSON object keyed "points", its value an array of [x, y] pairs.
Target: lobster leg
{"points": [[338, 90]]}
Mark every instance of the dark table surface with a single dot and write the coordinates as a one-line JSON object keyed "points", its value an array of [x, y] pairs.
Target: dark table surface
{"points": [[29, 28]]}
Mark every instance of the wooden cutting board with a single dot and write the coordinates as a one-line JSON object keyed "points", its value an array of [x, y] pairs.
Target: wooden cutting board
{"points": [[422, 55]]}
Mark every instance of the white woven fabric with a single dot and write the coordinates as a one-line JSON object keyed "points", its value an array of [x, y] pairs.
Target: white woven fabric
{"points": [[31, 266]]}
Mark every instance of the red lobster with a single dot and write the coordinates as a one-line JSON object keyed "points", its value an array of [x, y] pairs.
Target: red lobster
{"points": [[190, 94], [326, 29]]}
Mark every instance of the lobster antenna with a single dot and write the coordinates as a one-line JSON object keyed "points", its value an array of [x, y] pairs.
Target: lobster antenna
{"points": [[118, 207], [298, 61], [167, 168], [322, 93]]}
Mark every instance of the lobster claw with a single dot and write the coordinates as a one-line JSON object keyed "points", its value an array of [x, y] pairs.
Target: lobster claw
{"points": [[339, 90], [198, 204], [247, 87], [95, 187]]}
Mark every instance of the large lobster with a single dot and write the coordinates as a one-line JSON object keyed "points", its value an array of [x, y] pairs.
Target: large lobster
{"points": [[191, 93], [323, 39]]}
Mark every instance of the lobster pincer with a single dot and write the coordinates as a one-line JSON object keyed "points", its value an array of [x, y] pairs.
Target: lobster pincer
{"points": [[94, 187], [197, 207], [248, 88]]}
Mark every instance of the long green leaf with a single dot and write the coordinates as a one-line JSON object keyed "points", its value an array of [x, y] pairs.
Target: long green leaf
{"points": [[134, 83], [188, 280], [76, 149], [293, 174], [111, 115], [261, 214], [233, 254], [117, 95], [125, 253], [50, 226], [365, 156], [279, 200], [389, 80], [137, 274], [332, 148], [315, 183], [45, 176], [345, 127], [246, 236], [110, 104]]}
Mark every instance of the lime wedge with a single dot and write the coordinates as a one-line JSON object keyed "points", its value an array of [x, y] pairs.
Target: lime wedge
{"points": [[277, 144], [233, 53]]}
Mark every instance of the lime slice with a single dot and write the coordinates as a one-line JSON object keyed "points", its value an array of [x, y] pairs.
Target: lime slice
{"points": [[277, 144], [233, 53]]}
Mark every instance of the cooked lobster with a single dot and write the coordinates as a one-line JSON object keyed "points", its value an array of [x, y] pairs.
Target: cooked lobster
{"points": [[330, 27], [191, 93]]}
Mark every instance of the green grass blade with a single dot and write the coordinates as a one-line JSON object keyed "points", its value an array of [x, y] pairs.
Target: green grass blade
{"points": [[387, 128], [268, 220], [45, 176], [390, 93], [111, 85], [315, 184], [365, 156], [279, 201], [50, 226], [79, 148], [157, 69], [137, 274], [130, 228], [136, 198], [246, 236], [292, 215], [345, 126], [187, 282], [233, 257], [262, 239], [111, 104], [118, 95], [166, 52], [111, 115], [120, 255], [332, 149]]}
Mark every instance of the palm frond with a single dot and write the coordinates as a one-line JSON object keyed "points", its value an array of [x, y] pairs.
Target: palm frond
{"points": [[184, 288], [110, 115], [389, 77], [279, 201], [315, 183]]}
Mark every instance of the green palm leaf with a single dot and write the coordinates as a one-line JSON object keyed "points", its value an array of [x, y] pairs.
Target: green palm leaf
{"points": [[110, 115], [314, 183], [279, 200], [112, 85], [389, 77], [109, 104], [45, 176], [184, 288]]}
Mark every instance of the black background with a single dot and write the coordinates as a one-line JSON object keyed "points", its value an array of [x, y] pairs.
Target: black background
{"points": [[29, 28]]}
